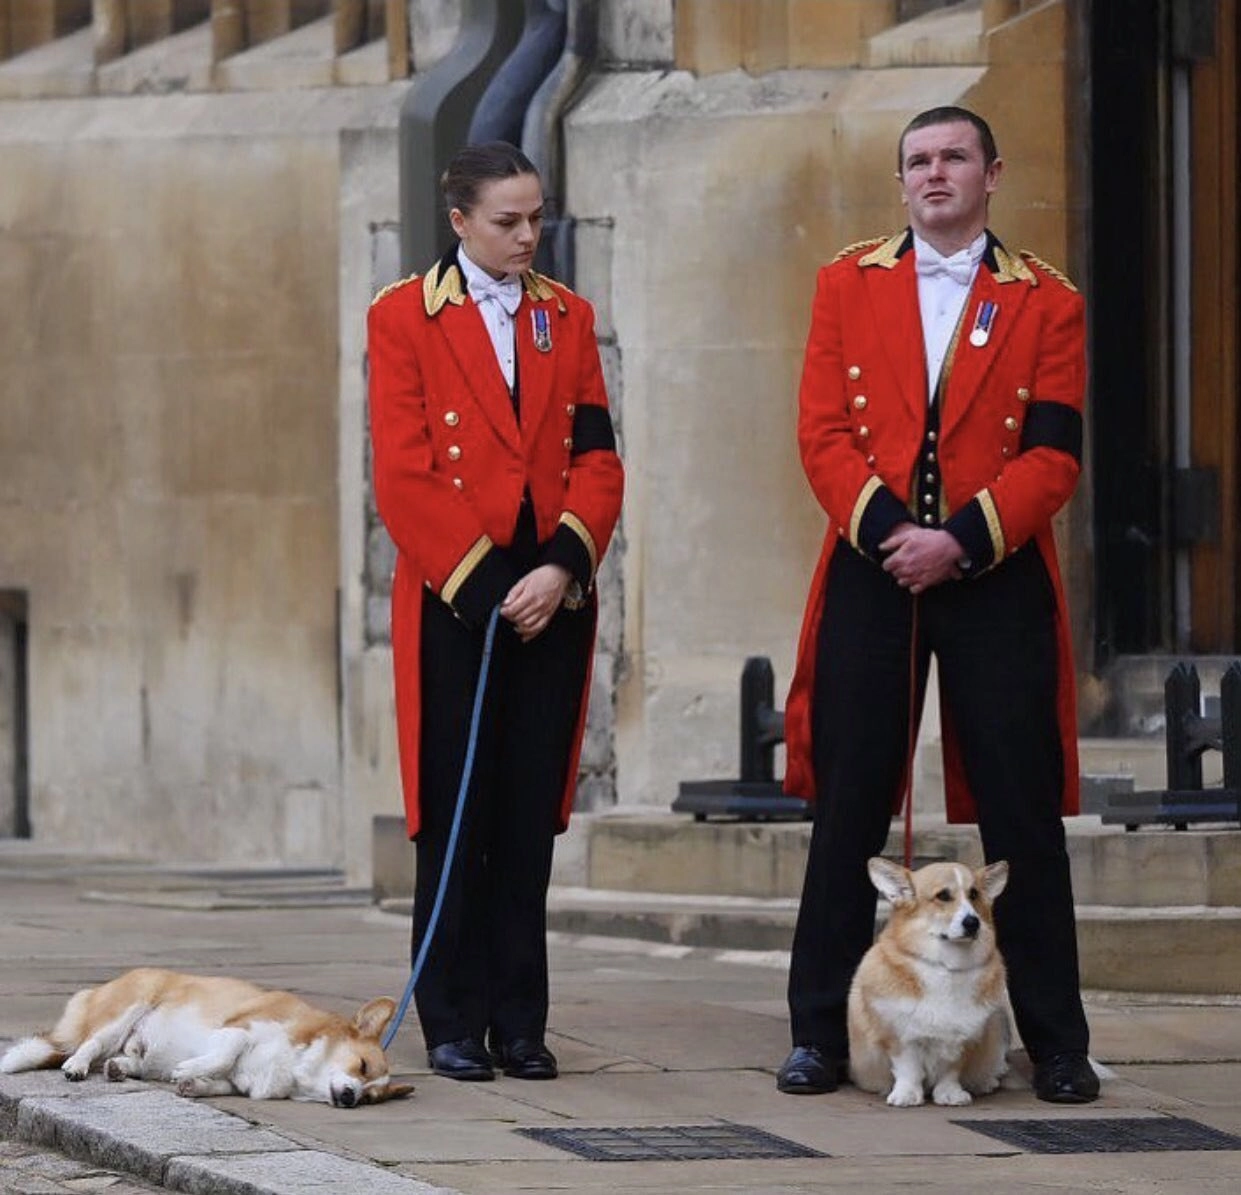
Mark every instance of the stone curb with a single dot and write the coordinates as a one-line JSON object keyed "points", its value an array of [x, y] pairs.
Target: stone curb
{"points": [[180, 1144]]}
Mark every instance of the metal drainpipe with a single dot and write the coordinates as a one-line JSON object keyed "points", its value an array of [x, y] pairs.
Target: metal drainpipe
{"points": [[542, 136], [435, 118], [502, 107]]}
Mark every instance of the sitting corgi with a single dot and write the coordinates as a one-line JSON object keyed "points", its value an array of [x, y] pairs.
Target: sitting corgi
{"points": [[215, 1036], [927, 1007]]}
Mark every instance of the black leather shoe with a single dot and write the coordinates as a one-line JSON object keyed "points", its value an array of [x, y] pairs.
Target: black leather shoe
{"points": [[466, 1059], [808, 1071], [1066, 1079], [526, 1058]]}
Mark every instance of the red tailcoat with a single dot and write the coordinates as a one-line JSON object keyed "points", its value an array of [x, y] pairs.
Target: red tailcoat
{"points": [[1009, 442], [451, 462]]}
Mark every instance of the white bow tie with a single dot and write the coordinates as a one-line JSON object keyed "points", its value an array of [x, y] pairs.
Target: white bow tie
{"points": [[930, 263], [505, 291]]}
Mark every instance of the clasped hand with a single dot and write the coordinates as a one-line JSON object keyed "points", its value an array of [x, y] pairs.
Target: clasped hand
{"points": [[530, 604], [921, 557]]}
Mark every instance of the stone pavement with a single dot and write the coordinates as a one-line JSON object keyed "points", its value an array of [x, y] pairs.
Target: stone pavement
{"points": [[648, 1037]]}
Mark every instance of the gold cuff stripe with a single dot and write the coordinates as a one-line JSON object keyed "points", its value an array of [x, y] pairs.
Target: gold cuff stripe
{"points": [[574, 524], [468, 563], [859, 508], [989, 512]]}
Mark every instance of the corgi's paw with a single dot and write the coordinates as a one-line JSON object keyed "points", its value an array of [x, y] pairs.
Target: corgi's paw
{"points": [[191, 1088], [114, 1070], [949, 1093], [74, 1070], [906, 1095]]}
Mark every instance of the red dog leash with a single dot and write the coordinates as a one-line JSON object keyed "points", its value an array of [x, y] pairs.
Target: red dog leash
{"points": [[911, 739]]}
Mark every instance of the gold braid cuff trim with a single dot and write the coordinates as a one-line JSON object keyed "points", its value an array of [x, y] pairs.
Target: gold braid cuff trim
{"points": [[989, 512], [574, 524], [468, 563], [859, 508]]}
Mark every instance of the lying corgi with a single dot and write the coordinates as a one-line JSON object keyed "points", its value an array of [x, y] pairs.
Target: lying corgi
{"points": [[215, 1036], [927, 1008]]}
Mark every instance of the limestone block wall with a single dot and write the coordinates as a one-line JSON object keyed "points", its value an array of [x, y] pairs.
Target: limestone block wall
{"points": [[724, 192], [168, 496]]}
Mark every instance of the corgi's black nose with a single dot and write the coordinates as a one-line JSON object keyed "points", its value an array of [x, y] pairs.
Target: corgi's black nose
{"points": [[970, 925], [346, 1097]]}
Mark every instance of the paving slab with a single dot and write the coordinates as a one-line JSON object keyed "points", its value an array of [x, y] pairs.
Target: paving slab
{"points": [[647, 1034]]}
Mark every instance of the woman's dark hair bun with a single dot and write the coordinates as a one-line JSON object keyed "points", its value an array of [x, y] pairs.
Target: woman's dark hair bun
{"points": [[475, 165]]}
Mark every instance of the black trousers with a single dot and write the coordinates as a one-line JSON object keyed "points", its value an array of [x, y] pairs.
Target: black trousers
{"points": [[995, 644], [487, 968]]}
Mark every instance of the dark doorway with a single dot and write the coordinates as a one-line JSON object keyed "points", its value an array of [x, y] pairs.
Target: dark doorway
{"points": [[14, 739], [1164, 326]]}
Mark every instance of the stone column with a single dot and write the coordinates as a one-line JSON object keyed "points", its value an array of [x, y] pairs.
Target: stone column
{"points": [[109, 20]]}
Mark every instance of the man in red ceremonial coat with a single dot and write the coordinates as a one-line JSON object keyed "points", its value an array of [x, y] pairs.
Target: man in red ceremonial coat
{"points": [[940, 428]]}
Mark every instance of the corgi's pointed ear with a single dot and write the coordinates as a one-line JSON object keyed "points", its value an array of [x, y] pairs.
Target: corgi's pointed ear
{"points": [[373, 1017], [992, 879], [892, 880]]}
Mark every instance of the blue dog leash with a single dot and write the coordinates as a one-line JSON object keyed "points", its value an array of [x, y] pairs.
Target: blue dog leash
{"points": [[467, 770]]}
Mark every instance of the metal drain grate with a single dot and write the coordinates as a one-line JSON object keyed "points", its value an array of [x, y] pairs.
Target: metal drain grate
{"points": [[1147, 1134], [671, 1143]]}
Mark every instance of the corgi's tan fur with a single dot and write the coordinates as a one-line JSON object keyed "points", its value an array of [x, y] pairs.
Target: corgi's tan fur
{"points": [[927, 1007], [212, 1036]]}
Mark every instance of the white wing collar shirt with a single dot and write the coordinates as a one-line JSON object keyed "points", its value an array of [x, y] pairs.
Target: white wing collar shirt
{"points": [[943, 286], [497, 300]]}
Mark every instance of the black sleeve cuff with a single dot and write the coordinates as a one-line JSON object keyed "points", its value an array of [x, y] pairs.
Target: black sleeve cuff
{"points": [[485, 588], [883, 512], [970, 529], [1053, 425], [567, 550], [592, 429]]}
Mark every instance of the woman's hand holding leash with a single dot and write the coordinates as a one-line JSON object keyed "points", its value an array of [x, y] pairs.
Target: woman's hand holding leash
{"points": [[531, 603]]}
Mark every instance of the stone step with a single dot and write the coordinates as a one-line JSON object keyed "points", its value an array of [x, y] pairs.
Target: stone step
{"points": [[667, 853], [1183, 950], [951, 36]]}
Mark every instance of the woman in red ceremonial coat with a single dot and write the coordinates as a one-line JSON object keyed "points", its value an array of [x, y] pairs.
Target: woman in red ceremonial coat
{"points": [[496, 475]]}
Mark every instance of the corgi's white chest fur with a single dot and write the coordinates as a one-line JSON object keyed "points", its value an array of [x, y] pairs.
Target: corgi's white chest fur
{"points": [[947, 1010]]}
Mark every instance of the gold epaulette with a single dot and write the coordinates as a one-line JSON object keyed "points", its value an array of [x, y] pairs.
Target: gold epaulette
{"points": [[857, 247], [387, 290], [540, 288], [1050, 270]]}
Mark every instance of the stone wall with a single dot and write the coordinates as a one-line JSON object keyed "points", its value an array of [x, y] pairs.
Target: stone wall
{"points": [[168, 369], [723, 193]]}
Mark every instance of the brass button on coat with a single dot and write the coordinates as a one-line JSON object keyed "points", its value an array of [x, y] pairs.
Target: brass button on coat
{"points": [[452, 418], [859, 401], [863, 431], [454, 453], [458, 483], [568, 441], [570, 408], [855, 372], [1023, 394], [1011, 424]]}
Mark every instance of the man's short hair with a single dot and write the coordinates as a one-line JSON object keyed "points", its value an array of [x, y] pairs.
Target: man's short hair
{"points": [[948, 114]]}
